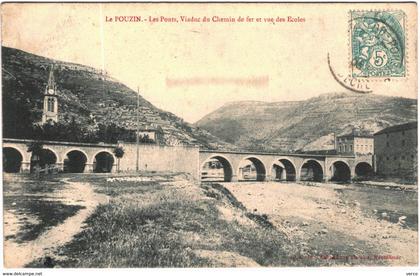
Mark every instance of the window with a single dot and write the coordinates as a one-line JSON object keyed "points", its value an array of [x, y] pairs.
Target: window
{"points": [[395, 158], [403, 143], [50, 105], [403, 132], [387, 144], [387, 135], [387, 158], [403, 157], [351, 147]]}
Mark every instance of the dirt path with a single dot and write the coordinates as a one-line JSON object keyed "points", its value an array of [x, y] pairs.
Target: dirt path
{"points": [[319, 218], [75, 193]]}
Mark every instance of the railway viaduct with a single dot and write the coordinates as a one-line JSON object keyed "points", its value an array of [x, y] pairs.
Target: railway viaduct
{"points": [[58, 152], [289, 166], [85, 157]]}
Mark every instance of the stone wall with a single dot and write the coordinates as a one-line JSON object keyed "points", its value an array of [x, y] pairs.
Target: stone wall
{"points": [[396, 153], [161, 158]]}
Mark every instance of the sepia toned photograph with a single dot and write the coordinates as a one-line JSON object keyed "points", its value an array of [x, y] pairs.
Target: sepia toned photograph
{"points": [[209, 135]]}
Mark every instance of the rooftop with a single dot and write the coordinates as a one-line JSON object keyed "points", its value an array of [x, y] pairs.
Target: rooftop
{"points": [[356, 133], [406, 126], [146, 127]]}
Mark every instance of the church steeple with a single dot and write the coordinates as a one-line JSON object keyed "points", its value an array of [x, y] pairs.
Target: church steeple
{"points": [[51, 80], [50, 111]]}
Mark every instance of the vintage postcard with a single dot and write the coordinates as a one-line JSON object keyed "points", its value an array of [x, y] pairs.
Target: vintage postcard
{"points": [[140, 135]]}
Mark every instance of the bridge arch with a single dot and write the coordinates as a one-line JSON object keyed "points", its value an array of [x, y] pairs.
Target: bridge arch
{"points": [[311, 170], [246, 166], [364, 170], [48, 157], [50, 151], [12, 159], [283, 169], [103, 161], [74, 160], [206, 167], [340, 171]]}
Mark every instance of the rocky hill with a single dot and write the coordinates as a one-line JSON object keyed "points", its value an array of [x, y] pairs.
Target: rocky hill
{"points": [[88, 97], [305, 125]]}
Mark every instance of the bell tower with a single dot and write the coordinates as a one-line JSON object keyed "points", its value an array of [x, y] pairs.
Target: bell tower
{"points": [[50, 111]]}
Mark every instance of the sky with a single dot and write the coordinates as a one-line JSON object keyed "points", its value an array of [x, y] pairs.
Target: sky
{"points": [[193, 68]]}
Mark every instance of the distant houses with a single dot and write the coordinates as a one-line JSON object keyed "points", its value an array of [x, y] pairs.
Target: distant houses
{"points": [[396, 151], [393, 149], [357, 143], [151, 134]]}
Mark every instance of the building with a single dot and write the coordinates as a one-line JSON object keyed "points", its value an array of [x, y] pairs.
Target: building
{"points": [[50, 107], [151, 134], [396, 151], [355, 143]]}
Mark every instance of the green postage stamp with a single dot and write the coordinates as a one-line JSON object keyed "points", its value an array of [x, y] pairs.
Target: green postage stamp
{"points": [[378, 44]]}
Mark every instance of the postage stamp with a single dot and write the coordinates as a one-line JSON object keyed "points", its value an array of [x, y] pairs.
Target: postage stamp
{"points": [[378, 44]]}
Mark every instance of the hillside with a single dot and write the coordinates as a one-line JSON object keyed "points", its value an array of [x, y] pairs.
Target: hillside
{"points": [[305, 125], [87, 97]]}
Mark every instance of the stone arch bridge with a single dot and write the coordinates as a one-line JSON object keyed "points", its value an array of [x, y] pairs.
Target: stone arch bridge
{"points": [[60, 152], [232, 166], [288, 166]]}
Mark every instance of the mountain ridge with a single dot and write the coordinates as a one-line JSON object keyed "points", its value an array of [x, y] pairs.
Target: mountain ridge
{"points": [[88, 98], [298, 125]]}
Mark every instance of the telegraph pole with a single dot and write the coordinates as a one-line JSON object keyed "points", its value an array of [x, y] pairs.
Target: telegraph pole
{"points": [[137, 131]]}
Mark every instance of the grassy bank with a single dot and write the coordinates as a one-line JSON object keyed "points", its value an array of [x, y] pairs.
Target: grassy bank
{"points": [[171, 222], [168, 223]]}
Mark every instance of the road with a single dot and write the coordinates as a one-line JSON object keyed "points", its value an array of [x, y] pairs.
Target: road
{"points": [[41, 216]]}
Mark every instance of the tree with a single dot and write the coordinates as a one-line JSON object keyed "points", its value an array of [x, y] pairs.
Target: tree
{"points": [[18, 109], [109, 133], [146, 139], [37, 149], [119, 153]]}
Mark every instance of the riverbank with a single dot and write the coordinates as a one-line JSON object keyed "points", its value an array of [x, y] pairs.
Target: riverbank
{"points": [[168, 220]]}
